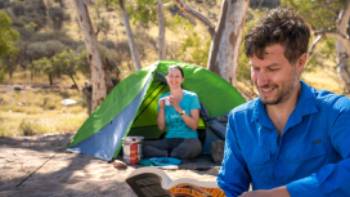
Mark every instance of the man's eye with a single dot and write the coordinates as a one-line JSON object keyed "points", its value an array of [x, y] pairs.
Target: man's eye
{"points": [[273, 69]]}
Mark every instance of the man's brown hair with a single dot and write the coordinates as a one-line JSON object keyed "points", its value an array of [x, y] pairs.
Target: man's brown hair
{"points": [[280, 26]]}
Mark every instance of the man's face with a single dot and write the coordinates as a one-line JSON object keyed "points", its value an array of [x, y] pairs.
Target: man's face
{"points": [[274, 76]]}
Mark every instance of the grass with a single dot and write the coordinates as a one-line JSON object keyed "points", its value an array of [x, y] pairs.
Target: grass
{"points": [[30, 112]]}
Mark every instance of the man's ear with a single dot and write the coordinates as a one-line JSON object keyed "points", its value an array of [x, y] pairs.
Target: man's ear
{"points": [[300, 64]]}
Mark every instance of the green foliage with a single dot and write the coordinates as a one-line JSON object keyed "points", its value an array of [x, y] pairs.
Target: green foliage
{"points": [[8, 36], [66, 62], [321, 14], [143, 11], [243, 70], [32, 14], [2, 74], [324, 52], [44, 65], [194, 49], [320, 17], [178, 23], [27, 128], [57, 17], [37, 50], [59, 36], [41, 65], [109, 59], [102, 25]]}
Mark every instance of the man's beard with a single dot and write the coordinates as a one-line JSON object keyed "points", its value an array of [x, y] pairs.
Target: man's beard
{"points": [[282, 94]]}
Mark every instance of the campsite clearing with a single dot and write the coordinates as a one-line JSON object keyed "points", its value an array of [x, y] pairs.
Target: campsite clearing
{"points": [[64, 174]]}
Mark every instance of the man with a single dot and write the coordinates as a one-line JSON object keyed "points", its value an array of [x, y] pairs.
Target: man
{"points": [[293, 140]]}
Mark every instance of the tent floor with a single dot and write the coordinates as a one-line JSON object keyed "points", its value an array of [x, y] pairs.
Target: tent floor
{"points": [[203, 164]]}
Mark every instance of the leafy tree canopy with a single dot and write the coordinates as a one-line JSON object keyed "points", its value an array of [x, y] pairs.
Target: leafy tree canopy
{"points": [[8, 36], [321, 14]]}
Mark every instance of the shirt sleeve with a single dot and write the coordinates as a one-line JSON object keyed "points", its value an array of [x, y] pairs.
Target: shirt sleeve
{"points": [[332, 179], [233, 176], [195, 102]]}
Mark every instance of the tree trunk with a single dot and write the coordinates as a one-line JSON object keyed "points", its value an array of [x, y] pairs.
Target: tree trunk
{"points": [[76, 86], [161, 33], [50, 79], [97, 73], [343, 48], [134, 53], [47, 5], [223, 55]]}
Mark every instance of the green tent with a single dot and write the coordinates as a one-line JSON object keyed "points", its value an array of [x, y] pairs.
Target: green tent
{"points": [[131, 107]]}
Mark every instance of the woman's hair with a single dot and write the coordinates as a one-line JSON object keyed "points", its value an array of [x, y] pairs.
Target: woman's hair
{"points": [[175, 66], [280, 26]]}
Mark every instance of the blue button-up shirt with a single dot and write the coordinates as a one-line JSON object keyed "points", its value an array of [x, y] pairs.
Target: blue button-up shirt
{"points": [[311, 157]]}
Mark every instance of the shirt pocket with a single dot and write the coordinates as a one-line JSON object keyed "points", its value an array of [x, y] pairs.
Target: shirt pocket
{"points": [[305, 152], [305, 159]]}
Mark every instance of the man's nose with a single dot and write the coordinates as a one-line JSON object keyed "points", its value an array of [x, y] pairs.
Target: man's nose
{"points": [[262, 79]]}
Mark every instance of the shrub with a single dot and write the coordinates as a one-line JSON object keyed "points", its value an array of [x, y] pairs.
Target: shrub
{"points": [[27, 128]]}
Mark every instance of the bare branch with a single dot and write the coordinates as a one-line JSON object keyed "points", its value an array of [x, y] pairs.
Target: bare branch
{"points": [[198, 15], [328, 32], [320, 34], [314, 43]]}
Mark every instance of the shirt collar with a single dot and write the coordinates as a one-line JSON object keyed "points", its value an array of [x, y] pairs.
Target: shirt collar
{"points": [[306, 104]]}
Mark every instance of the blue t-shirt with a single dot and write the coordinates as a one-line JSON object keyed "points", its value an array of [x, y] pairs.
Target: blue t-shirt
{"points": [[311, 157], [175, 126]]}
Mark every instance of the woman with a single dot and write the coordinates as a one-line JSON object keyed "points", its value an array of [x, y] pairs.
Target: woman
{"points": [[178, 115]]}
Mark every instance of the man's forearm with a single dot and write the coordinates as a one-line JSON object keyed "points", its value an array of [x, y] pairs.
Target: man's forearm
{"points": [[276, 192]]}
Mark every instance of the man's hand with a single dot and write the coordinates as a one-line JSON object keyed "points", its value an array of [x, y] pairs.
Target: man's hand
{"points": [[276, 192]]}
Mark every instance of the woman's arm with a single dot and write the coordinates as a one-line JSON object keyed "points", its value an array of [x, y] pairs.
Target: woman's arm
{"points": [[161, 115], [190, 120]]}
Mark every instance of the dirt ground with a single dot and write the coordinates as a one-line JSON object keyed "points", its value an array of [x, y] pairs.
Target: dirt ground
{"points": [[40, 166]]}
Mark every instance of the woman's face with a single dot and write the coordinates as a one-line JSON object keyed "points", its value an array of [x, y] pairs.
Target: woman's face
{"points": [[174, 78]]}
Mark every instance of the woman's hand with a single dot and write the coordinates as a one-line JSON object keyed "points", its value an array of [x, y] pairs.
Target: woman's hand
{"points": [[161, 116], [162, 102], [175, 101]]}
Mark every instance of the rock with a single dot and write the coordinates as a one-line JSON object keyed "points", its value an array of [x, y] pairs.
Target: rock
{"points": [[68, 102], [119, 165], [217, 150]]}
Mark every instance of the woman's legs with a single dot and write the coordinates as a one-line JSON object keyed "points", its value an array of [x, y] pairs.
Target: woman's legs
{"points": [[179, 148], [187, 149], [155, 148]]}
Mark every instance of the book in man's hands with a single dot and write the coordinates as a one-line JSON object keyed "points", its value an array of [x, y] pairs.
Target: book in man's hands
{"points": [[154, 182]]}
